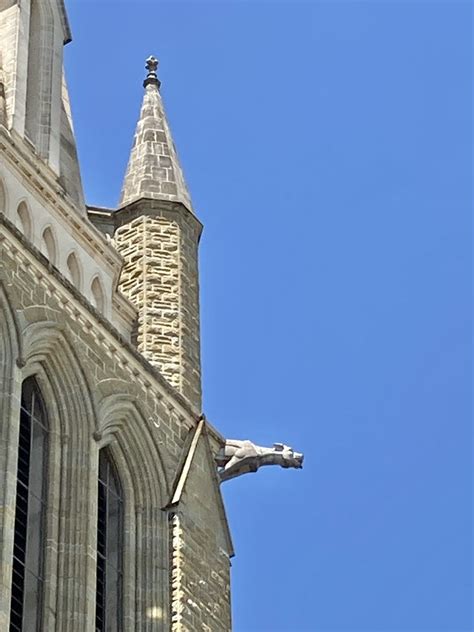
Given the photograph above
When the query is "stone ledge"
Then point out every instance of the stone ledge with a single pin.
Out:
(143, 206)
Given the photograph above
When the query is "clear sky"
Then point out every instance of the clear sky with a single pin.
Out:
(327, 146)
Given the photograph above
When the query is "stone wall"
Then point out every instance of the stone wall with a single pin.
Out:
(26, 182)
(99, 391)
(159, 244)
(200, 585)
(151, 280)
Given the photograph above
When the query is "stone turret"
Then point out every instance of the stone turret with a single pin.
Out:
(157, 233)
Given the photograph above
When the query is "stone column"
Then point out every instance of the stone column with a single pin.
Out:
(10, 391)
(77, 536)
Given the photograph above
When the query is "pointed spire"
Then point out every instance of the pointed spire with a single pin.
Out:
(153, 169)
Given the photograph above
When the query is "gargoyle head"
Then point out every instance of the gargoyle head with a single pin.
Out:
(287, 457)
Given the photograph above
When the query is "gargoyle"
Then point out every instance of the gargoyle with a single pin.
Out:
(239, 457)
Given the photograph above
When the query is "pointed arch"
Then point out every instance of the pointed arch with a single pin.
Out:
(46, 344)
(48, 245)
(74, 269)
(9, 332)
(120, 421)
(98, 293)
(28, 579)
(129, 554)
(129, 437)
(50, 356)
(24, 219)
(110, 540)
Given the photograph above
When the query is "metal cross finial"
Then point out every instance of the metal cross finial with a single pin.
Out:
(152, 64)
(152, 78)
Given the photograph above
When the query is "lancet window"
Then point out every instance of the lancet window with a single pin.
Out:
(109, 547)
(28, 549)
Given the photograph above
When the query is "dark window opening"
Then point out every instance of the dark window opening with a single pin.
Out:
(27, 572)
(109, 548)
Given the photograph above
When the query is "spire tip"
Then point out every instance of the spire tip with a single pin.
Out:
(152, 78)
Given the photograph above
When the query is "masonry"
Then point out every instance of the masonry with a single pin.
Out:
(111, 512)
(104, 394)
(158, 241)
(99, 314)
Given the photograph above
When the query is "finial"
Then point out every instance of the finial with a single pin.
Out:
(152, 78)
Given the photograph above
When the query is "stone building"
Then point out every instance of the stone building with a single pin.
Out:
(111, 515)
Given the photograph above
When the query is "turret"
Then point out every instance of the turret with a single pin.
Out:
(157, 233)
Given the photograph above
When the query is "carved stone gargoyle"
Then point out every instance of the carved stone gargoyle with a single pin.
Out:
(239, 457)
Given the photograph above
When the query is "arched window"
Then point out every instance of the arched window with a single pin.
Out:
(27, 574)
(25, 219)
(49, 245)
(97, 294)
(74, 270)
(109, 547)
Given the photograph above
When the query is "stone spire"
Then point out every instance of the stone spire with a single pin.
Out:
(153, 169)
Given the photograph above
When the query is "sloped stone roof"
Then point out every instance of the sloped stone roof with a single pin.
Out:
(153, 169)
(65, 22)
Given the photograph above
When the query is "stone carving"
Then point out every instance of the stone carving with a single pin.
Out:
(240, 457)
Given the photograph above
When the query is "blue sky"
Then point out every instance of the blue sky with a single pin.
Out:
(328, 149)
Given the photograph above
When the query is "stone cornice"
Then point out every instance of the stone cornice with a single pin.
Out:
(150, 207)
(43, 181)
(92, 322)
(124, 307)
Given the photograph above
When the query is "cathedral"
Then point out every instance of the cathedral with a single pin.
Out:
(111, 513)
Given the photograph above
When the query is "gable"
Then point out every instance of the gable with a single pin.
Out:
(197, 491)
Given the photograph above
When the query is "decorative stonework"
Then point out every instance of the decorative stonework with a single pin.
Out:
(110, 345)
(238, 457)
(100, 392)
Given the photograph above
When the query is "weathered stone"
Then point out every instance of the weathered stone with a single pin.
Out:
(98, 388)
(160, 277)
(240, 457)
(153, 169)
